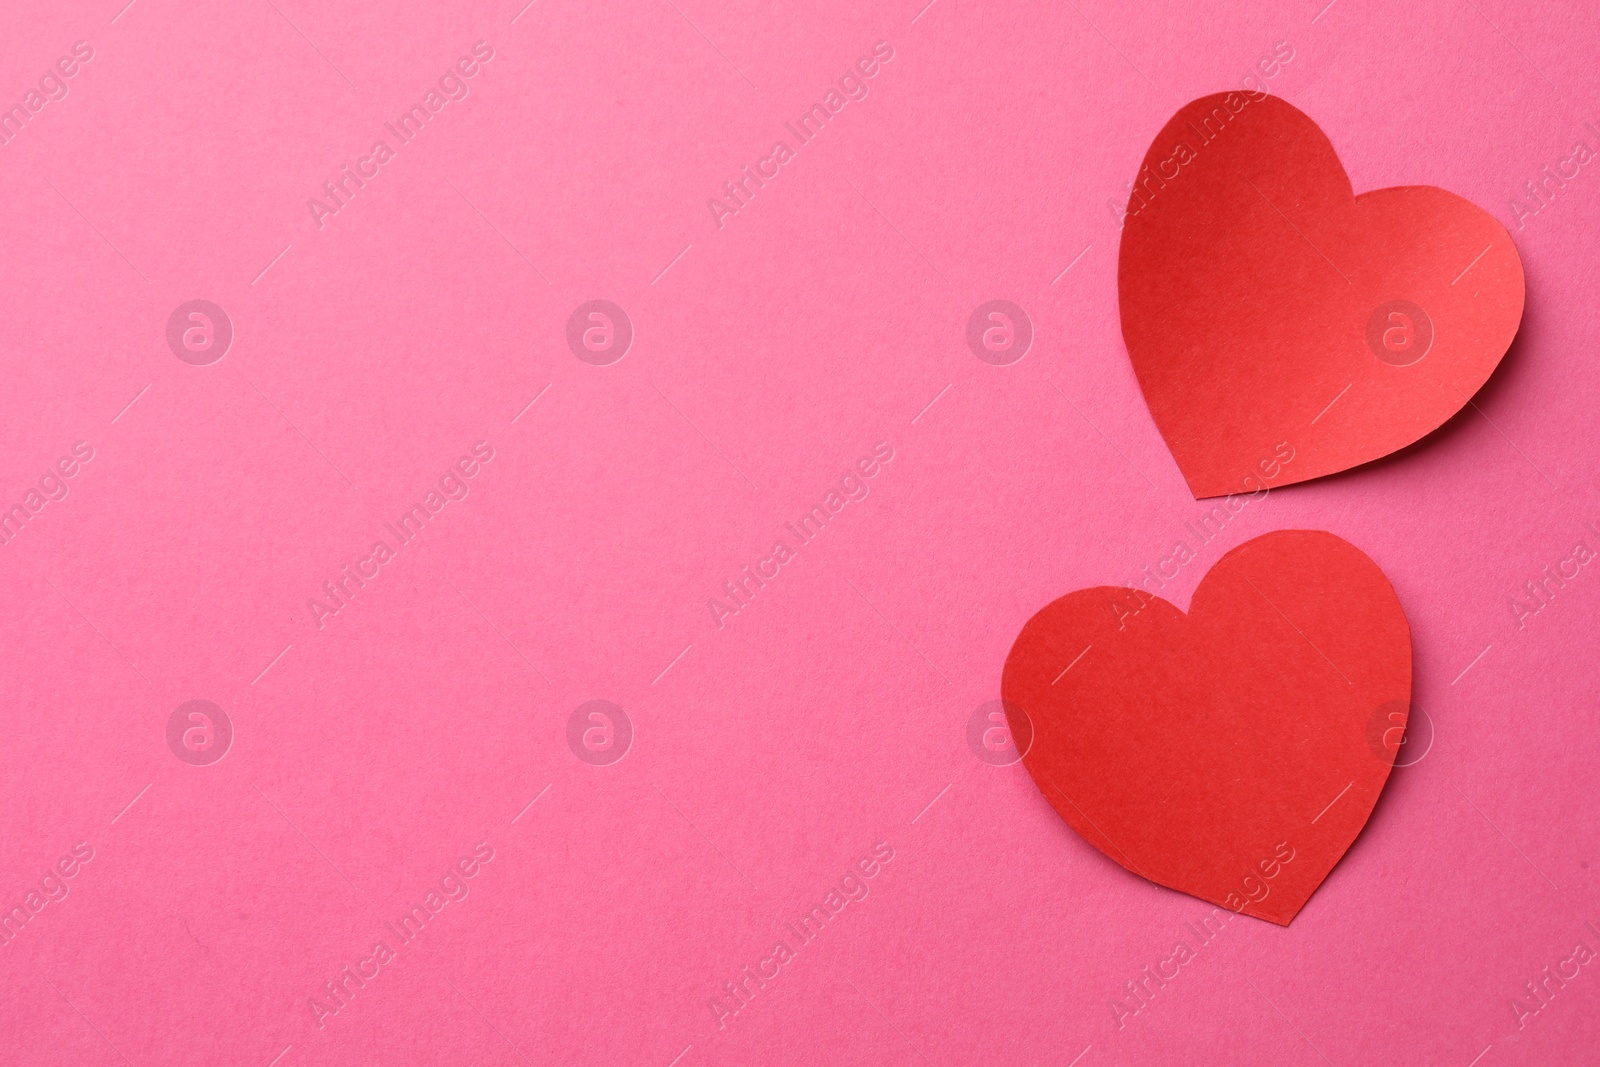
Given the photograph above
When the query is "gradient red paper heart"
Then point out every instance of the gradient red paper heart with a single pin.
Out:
(1268, 310)
(1233, 753)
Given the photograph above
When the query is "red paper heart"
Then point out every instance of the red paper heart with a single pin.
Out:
(1271, 313)
(1233, 753)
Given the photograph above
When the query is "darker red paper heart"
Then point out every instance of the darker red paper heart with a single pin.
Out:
(1233, 753)
(1269, 311)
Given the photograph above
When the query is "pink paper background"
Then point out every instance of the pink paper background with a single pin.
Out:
(831, 714)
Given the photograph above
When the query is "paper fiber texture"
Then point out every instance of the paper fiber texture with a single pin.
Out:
(442, 628)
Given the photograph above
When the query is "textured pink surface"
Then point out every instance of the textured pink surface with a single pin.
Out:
(770, 353)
